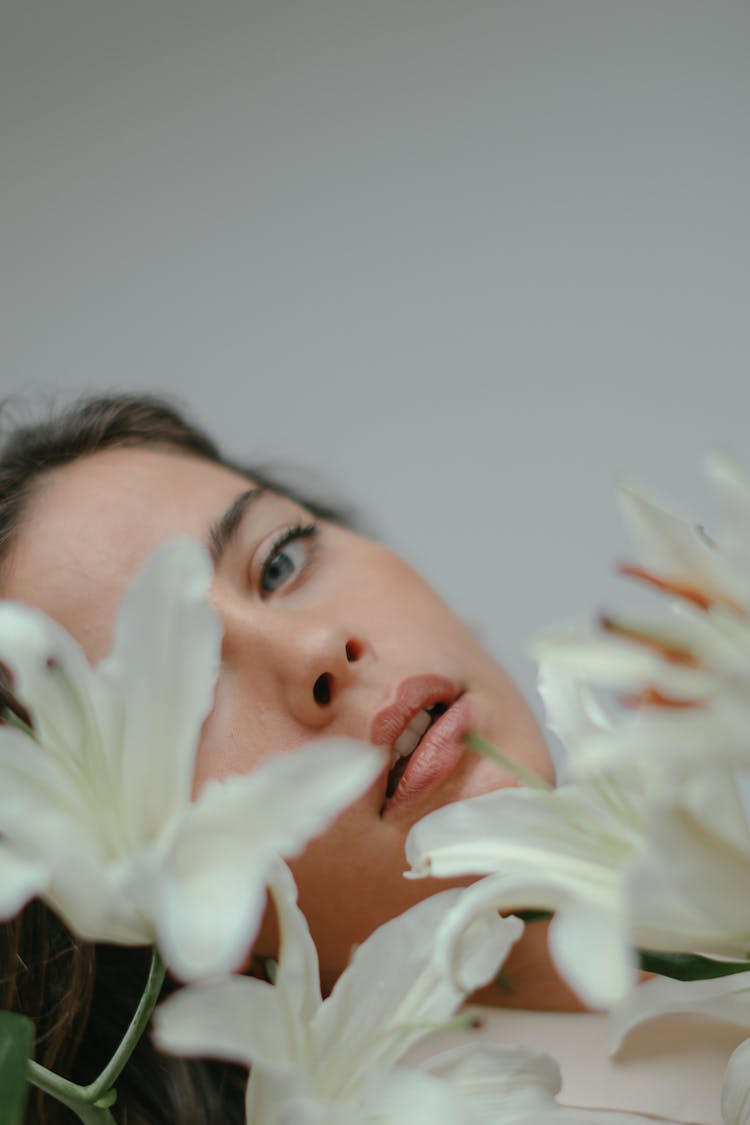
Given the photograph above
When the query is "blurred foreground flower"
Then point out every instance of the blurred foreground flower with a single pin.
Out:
(572, 850)
(678, 718)
(735, 1098)
(316, 1060)
(648, 846)
(95, 802)
(683, 672)
(331, 1062)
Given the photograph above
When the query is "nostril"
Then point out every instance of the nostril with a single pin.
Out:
(322, 689)
(353, 651)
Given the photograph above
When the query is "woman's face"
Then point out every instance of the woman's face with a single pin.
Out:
(325, 633)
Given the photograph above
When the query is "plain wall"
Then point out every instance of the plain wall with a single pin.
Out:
(469, 260)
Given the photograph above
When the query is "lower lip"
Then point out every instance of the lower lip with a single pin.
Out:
(435, 758)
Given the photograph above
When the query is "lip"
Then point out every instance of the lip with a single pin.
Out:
(441, 746)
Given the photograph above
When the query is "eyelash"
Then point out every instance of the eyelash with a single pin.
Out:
(289, 535)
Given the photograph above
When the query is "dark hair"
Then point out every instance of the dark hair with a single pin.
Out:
(82, 996)
(93, 424)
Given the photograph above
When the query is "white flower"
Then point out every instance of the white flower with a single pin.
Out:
(500, 1085)
(722, 998)
(331, 1062)
(551, 850)
(689, 675)
(516, 1086)
(677, 556)
(593, 851)
(561, 850)
(686, 863)
(20, 879)
(698, 854)
(95, 808)
(316, 1060)
(735, 1096)
(667, 756)
(677, 716)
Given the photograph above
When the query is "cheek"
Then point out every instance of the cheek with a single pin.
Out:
(391, 593)
(238, 736)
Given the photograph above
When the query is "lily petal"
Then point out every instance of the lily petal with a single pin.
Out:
(516, 830)
(502, 1085)
(235, 1018)
(20, 880)
(588, 938)
(165, 686)
(403, 1096)
(406, 991)
(670, 546)
(207, 893)
(53, 679)
(297, 977)
(735, 1096)
(733, 494)
(722, 998)
(246, 1020)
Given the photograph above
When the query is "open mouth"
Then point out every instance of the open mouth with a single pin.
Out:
(409, 740)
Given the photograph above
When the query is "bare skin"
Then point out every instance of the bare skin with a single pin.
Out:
(327, 607)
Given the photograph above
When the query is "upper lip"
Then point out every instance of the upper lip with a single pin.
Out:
(411, 696)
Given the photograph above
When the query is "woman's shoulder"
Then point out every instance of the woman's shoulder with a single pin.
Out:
(672, 1066)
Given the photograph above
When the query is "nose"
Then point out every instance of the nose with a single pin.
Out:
(301, 663)
(334, 657)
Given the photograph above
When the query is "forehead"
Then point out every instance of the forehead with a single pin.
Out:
(92, 523)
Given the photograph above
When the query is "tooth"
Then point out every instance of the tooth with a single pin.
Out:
(420, 722)
(406, 742)
(409, 739)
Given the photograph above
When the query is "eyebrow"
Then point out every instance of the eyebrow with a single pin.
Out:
(223, 532)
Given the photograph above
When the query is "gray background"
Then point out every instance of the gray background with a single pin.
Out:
(467, 260)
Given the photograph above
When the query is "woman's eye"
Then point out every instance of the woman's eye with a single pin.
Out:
(287, 558)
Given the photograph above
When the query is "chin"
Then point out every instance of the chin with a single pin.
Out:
(482, 776)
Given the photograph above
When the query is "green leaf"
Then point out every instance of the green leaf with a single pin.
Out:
(689, 966)
(16, 1047)
(534, 915)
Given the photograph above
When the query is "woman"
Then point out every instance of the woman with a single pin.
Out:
(325, 633)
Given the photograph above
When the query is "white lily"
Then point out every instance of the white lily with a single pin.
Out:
(518, 1086)
(698, 854)
(331, 1062)
(95, 806)
(317, 1059)
(735, 1096)
(678, 755)
(480, 1084)
(678, 557)
(548, 851)
(722, 998)
(698, 667)
(562, 850)
(683, 712)
(586, 851)
(20, 879)
(686, 877)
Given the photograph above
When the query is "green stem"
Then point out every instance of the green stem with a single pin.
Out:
(13, 720)
(482, 746)
(138, 1025)
(92, 1102)
(88, 1114)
